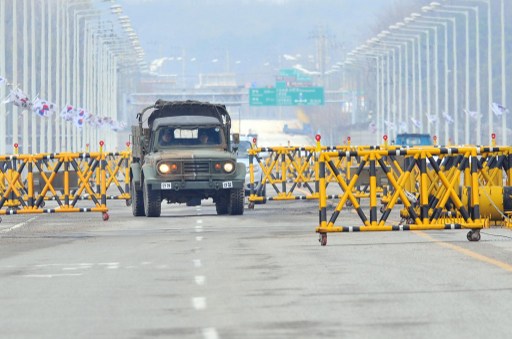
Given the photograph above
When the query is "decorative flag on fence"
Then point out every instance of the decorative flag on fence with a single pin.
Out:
(473, 114)
(431, 118)
(499, 109)
(43, 108)
(389, 125)
(67, 113)
(95, 121)
(117, 126)
(416, 123)
(81, 117)
(18, 98)
(79, 121)
(448, 118)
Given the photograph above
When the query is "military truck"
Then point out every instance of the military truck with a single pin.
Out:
(182, 153)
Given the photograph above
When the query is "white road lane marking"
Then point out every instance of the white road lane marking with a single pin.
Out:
(210, 333)
(51, 275)
(199, 303)
(21, 224)
(200, 280)
(199, 221)
(110, 265)
(197, 262)
(199, 238)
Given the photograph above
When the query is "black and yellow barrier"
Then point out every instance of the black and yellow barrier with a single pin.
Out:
(27, 182)
(448, 183)
(292, 172)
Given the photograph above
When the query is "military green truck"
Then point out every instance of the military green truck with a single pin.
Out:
(182, 153)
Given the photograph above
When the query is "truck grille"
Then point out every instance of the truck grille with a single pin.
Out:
(196, 167)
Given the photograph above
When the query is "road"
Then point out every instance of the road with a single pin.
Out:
(193, 274)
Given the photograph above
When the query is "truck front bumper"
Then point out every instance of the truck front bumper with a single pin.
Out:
(194, 185)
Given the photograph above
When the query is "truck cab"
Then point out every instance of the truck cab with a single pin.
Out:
(413, 139)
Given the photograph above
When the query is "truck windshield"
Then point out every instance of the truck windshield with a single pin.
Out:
(169, 137)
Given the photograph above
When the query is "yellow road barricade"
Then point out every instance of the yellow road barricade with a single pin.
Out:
(27, 181)
(440, 188)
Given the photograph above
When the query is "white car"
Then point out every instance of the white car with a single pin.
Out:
(243, 157)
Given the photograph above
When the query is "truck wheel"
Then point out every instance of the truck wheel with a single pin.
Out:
(137, 201)
(152, 202)
(221, 204)
(236, 202)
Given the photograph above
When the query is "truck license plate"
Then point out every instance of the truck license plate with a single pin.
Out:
(227, 184)
(166, 185)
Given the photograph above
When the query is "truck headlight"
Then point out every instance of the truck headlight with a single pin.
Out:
(168, 167)
(164, 168)
(229, 167)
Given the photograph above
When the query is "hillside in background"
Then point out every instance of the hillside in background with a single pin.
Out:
(251, 37)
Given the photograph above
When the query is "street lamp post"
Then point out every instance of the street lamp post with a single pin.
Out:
(3, 117)
(410, 67)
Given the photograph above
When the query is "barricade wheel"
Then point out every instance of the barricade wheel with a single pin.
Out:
(323, 239)
(382, 209)
(473, 235)
(251, 205)
(105, 216)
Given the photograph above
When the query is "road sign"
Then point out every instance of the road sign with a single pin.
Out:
(262, 97)
(286, 96)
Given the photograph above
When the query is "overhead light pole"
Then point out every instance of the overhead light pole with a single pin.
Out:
(3, 116)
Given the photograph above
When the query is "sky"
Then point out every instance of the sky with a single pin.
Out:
(249, 37)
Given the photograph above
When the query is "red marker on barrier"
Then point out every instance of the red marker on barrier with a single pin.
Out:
(435, 139)
(16, 148)
(128, 144)
(318, 146)
(254, 141)
(348, 139)
(493, 136)
(102, 143)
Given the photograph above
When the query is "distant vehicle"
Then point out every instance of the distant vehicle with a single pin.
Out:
(182, 154)
(413, 139)
(306, 129)
(243, 156)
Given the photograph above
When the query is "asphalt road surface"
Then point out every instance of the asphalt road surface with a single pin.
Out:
(193, 274)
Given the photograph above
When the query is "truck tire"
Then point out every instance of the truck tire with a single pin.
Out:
(152, 202)
(236, 202)
(137, 201)
(221, 204)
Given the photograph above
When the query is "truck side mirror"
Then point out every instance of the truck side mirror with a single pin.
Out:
(236, 141)
(236, 138)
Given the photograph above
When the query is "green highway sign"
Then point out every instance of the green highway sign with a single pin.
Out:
(262, 97)
(286, 96)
